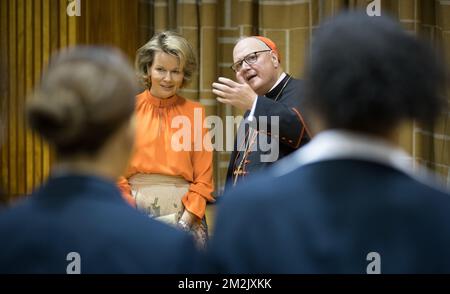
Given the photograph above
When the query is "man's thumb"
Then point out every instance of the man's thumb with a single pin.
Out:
(240, 78)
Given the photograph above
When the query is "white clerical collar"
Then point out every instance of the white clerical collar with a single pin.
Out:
(339, 144)
(252, 110)
(283, 75)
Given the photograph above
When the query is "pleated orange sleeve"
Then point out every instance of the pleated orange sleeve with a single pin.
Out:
(126, 191)
(160, 122)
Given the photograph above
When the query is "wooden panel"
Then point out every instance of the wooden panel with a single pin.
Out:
(45, 32)
(45, 58)
(55, 44)
(146, 22)
(29, 168)
(160, 16)
(37, 70)
(113, 24)
(12, 111)
(20, 84)
(30, 31)
(72, 29)
(54, 26)
(4, 171)
(62, 28)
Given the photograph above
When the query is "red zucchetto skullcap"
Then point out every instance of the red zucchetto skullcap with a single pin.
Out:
(270, 44)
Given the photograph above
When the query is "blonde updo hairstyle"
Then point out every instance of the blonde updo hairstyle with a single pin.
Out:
(168, 42)
(86, 94)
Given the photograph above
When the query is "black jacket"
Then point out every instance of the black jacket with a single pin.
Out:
(282, 102)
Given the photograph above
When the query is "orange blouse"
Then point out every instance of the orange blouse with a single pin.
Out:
(154, 153)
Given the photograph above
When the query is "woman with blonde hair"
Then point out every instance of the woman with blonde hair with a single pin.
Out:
(169, 183)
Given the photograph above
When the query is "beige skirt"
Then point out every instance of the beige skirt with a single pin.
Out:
(159, 196)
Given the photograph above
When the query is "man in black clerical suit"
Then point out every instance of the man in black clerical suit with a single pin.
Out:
(273, 124)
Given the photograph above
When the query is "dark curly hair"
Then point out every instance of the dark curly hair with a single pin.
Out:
(367, 74)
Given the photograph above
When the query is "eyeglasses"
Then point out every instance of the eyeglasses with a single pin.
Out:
(249, 59)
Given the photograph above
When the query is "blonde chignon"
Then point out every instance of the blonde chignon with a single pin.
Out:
(85, 95)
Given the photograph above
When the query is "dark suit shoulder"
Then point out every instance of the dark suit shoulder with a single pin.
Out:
(109, 235)
(325, 217)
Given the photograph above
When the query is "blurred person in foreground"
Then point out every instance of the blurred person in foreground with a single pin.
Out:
(349, 201)
(84, 108)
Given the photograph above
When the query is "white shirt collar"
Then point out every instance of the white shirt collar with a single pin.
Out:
(252, 110)
(278, 81)
(339, 144)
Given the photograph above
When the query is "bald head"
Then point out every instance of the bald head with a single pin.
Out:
(252, 43)
(263, 72)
